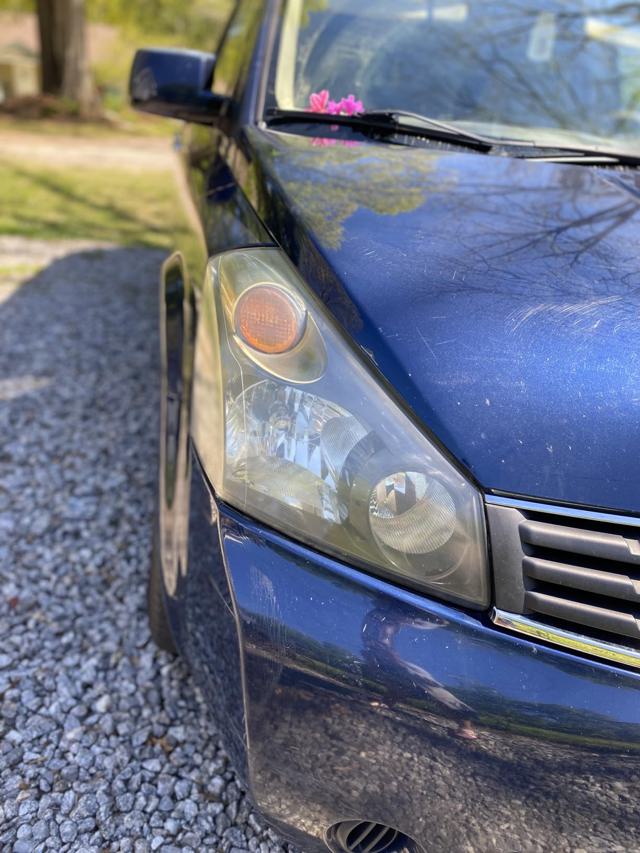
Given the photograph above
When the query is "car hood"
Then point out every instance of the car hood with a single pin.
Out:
(500, 297)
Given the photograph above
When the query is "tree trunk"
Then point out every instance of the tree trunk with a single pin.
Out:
(63, 50)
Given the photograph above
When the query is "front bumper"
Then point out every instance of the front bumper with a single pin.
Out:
(344, 697)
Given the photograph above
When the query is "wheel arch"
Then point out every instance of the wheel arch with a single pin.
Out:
(177, 333)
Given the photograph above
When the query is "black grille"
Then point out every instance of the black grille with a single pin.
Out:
(583, 574)
(579, 573)
(356, 836)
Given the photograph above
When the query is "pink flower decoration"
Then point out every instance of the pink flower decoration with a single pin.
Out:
(349, 106)
(334, 108)
(318, 101)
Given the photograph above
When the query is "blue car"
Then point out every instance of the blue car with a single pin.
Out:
(398, 528)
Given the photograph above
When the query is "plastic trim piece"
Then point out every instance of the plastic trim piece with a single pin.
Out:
(362, 836)
(567, 639)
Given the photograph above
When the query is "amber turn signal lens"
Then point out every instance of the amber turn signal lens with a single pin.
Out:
(268, 320)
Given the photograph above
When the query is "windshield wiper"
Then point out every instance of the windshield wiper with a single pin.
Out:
(384, 123)
(582, 155)
(388, 123)
(586, 155)
(419, 124)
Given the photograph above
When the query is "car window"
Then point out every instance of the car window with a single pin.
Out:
(564, 69)
(236, 47)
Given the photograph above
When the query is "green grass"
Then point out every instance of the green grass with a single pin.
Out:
(122, 125)
(106, 205)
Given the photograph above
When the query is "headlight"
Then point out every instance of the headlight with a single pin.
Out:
(293, 429)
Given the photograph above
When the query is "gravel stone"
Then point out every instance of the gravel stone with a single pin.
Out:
(125, 802)
(172, 826)
(165, 785)
(182, 789)
(165, 804)
(222, 823)
(105, 742)
(68, 802)
(190, 810)
(39, 830)
(68, 831)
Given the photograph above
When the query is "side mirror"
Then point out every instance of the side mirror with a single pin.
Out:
(175, 83)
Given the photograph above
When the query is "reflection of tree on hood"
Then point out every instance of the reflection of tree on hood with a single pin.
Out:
(379, 633)
(332, 183)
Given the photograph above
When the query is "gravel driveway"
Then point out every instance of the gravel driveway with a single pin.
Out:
(104, 742)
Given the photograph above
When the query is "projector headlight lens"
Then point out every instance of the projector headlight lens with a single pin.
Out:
(293, 429)
(411, 513)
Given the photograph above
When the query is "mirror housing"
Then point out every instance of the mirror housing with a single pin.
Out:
(175, 83)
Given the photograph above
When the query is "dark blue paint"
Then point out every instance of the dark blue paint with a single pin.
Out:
(499, 297)
(355, 693)
(204, 623)
(176, 83)
(227, 217)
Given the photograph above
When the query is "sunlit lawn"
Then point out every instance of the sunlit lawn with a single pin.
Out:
(108, 205)
(120, 126)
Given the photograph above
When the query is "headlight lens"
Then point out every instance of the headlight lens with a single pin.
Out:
(411, 513)
(293, 429)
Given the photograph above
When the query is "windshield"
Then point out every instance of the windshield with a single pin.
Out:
(549, 72)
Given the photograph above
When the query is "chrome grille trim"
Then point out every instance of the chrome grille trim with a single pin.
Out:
(570, 512)
(567, 639)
